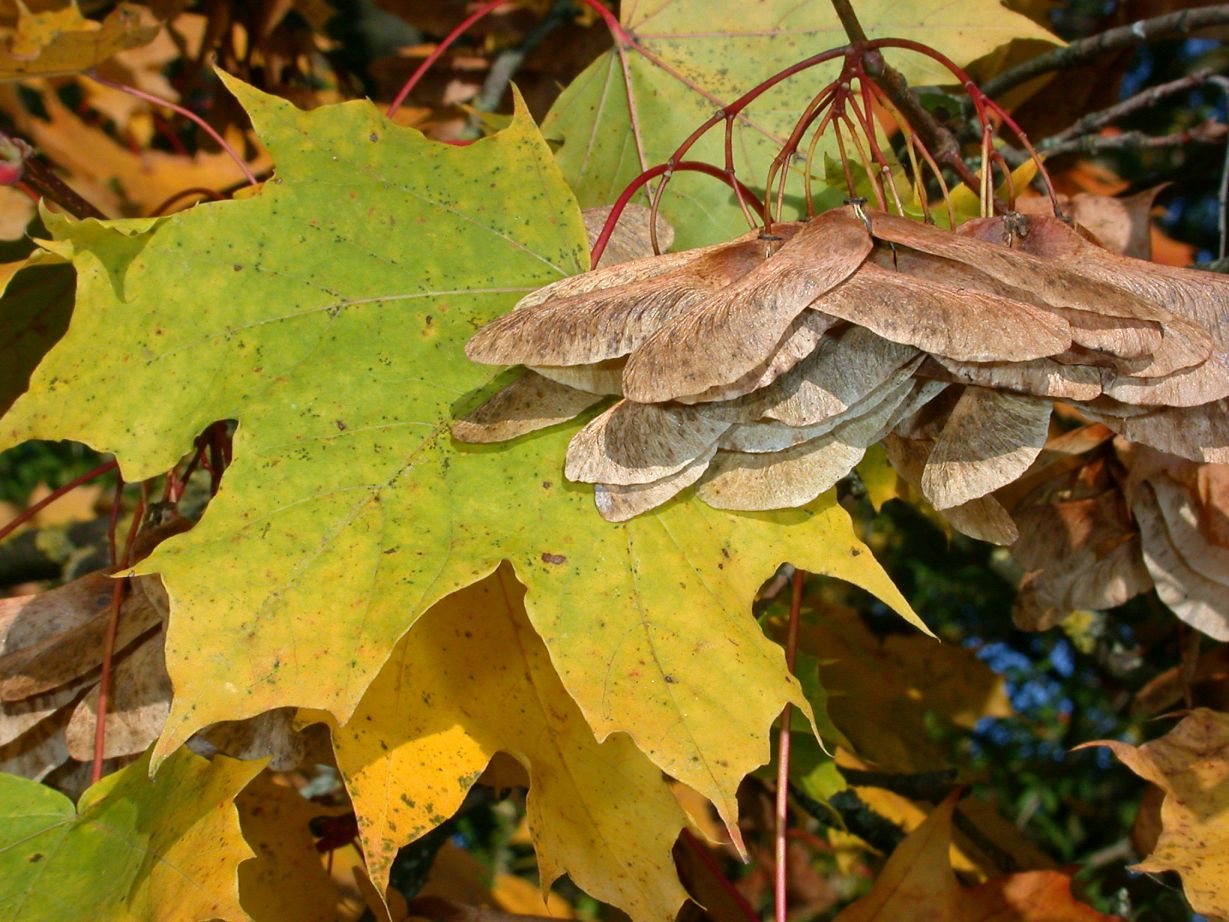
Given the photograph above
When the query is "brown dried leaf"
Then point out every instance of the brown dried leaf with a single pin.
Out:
(637, 443)
(1200, 602)
(269, 735)
(17, 717)
(738, 328)
(1084, 553)
(989, 440)
(529, 403)
(963, 324)
(39, 751)
(40, 657)
(607, 313)
(1181, 512)
(618, 503)
(1189, 765)
(136, 710)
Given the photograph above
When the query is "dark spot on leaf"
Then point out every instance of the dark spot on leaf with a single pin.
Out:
(373, 137)
(36, 857)
(553, 558)
(238, 267)
(341, 426)
(670, 680)
(546, 484)
(854, 552)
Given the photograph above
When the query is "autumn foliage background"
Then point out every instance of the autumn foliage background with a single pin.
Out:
(357, 668)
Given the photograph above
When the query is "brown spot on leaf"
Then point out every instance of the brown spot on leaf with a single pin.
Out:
(553, 558)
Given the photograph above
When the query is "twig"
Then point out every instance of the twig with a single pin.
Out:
(1085, 49)
(942, 143)
(43, 180)
(33, 510)
(930, 786)
(780, 876)
(1149, 97)
(1205, 133)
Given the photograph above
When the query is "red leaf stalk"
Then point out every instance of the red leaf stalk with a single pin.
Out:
(47, 500)
(780, 876)
(186, 113)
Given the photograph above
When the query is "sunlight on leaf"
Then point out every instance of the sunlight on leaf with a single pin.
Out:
(472, 678)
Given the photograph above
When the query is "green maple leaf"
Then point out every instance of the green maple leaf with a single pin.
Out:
(328, 316)
(685, 59)
(160, 851)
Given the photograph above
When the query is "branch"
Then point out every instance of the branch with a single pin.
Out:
(1208, 132)
(43, 180)
(1095, 121)
(1084, 50)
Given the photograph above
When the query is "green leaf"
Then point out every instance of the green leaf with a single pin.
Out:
(328, 315)
(134, 849)
(685, 59)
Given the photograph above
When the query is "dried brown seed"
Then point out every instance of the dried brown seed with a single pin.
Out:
(528, 404)
(1039, 377)
(607, 313)
(737, 329)
(795, 476)
(971, 326)
(640, 442)
(619, 503)
(989, 440)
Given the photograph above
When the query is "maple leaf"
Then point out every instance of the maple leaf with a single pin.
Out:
(1189, 765)
(328, 315)
(682, 60)
(918, 883)
(287, 879)
(62, 41)
(473, 679)
(133, 849)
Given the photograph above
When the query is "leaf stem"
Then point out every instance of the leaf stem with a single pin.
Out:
(118, 592)
(186, 113)
(31, 511)
(705, 857)
(780, 875)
